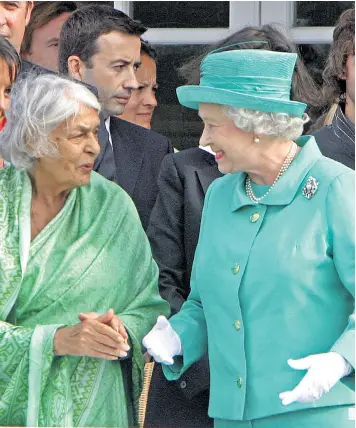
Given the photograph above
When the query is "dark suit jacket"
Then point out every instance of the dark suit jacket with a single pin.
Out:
(337, 141)
(135, 163)
(27, 67)
(173, 232)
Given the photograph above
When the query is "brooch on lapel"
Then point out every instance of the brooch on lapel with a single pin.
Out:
(310, 187)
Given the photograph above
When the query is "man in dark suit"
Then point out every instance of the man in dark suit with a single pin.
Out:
(173, 233)
(101, 46)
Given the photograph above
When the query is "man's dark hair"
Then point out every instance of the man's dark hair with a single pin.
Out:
(343, 45)
(43, 13)
(9, 54)
(304, 89)
(148, 50)
(81, 31)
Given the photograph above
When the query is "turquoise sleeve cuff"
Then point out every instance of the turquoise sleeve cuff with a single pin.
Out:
(174, 371)
(345, 346)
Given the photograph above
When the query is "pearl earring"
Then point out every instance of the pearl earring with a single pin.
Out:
(256, 140)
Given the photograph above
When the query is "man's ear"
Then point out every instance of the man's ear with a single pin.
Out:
(76, 67)
(29, 7)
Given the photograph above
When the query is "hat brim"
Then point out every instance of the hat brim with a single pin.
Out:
(191, 96)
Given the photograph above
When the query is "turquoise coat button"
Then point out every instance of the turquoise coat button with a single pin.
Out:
(235, 269)
(239, 382)
(254, 217)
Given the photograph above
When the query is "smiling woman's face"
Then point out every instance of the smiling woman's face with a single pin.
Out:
(77, 143)
(230, 144)
(143, 100)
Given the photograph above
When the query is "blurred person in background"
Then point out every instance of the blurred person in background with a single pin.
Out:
(14, 16)
(142, 103)
(337, 140)
(174, 230)
(10, 65)
(41, 38)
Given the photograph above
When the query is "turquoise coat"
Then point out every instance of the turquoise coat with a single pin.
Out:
(271, 282)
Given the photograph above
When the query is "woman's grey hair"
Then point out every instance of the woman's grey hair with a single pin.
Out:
(39, 104)
(270, 125)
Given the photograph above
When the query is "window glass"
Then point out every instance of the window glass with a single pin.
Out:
(182, 14)
(319, 13)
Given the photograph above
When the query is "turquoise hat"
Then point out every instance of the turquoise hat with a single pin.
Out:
(254, 79)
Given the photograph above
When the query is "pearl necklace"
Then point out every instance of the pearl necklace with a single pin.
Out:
(286, 164)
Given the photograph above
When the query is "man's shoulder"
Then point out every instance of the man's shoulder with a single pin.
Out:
(194, 154)
(29, 67)
(192, 158)
(145, 136)
(323, 134)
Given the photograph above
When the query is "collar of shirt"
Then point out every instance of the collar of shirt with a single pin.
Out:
(107, 126)
(287, 186)
(343, 127)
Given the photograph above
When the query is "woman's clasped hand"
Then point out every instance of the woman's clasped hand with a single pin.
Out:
(99, 336)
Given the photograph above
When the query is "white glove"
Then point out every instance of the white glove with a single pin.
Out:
(162, 342)
(324, 371)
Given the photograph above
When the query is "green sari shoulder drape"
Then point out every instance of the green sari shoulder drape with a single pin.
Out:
(94, 255)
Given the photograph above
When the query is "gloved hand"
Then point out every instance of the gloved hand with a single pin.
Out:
(162, 342)
(324, 371)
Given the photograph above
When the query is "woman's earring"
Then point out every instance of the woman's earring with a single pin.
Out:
(256, 139)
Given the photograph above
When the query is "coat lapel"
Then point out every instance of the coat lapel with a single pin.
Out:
(128, 153)
(208, 174)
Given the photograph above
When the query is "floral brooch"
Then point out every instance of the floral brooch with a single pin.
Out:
(310, 187)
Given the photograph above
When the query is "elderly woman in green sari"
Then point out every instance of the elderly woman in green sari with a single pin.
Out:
(71, 246)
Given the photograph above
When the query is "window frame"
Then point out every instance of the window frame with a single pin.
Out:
(241, 13)
(281, 12)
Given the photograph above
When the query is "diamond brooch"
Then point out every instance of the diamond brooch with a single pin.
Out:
(310, 187)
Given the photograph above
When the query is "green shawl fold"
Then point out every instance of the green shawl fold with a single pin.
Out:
(94, 255)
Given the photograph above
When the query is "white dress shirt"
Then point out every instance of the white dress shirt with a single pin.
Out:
(107, 126)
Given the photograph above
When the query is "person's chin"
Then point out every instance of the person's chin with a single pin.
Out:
(83, 182)
(84, 179)
(115, 109)
(224, 168)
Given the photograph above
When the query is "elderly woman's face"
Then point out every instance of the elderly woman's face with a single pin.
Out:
(230, 144)
(77, 143)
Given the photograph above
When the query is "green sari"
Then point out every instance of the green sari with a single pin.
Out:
(94, 255)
